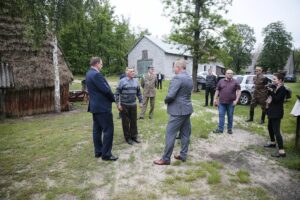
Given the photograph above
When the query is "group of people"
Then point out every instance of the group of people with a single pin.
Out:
(225, 92)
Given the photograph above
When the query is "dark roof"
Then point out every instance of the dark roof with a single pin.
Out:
(28, 67)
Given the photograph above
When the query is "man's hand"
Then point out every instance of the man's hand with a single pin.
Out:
(235, 102)
(119, 107)
(216, 102)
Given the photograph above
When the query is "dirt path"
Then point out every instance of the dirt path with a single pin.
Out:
(135, 173)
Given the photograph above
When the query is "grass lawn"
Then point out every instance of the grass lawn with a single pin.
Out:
(51, 157)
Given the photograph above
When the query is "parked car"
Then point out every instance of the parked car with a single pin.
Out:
(247, 87)
(290, 78)
(201, 79)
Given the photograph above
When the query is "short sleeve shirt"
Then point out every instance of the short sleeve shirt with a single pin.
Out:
(227, 90)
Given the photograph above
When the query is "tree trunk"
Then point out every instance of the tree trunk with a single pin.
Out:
(56, 76)
(196, 45)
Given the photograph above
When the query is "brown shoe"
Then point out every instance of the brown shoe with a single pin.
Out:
(161, 162)
(178, 157)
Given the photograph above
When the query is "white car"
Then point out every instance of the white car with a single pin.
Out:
(247, 87)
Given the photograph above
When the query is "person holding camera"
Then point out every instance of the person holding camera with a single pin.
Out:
(275, 112)
(259, 96)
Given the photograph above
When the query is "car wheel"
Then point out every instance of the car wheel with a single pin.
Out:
(245, 99)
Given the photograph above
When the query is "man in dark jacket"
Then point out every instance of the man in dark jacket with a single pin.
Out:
(100, 104)
(160, 77)
(211, 83)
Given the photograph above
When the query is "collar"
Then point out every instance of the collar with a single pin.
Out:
(95, 68)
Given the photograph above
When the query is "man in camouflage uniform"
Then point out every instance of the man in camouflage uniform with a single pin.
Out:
(148, 83)
(259, 95)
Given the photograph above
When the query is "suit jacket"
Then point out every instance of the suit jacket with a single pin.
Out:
(149, 83)
(162, 76)
(275, 109)
(179, 95)
(100, 94)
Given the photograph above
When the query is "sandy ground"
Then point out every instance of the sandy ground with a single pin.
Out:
(140, 174)
(231, 150)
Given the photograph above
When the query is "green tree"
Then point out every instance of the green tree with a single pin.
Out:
(239, 42)
(197, 24)
(277, 47)
(297, 59)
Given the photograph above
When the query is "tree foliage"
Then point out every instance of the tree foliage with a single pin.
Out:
(239, 42)
(84, 28)
(197, 24)
(277, 47)
(297, 59)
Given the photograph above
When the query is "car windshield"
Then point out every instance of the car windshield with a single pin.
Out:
(250, 80)
(239, 79)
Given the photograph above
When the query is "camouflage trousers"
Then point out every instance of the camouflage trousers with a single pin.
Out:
(145, 104)
(258, 101)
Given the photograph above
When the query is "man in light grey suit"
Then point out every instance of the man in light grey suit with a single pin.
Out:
(179, 109)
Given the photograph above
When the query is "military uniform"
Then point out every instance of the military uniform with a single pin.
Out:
(259, 96)
(148, 83)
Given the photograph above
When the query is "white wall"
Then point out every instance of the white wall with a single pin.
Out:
(168, 65)
(154, 53)
(212, 65)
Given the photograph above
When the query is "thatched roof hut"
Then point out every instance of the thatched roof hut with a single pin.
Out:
(26, 74)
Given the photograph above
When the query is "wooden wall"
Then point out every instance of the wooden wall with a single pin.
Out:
(31, 102)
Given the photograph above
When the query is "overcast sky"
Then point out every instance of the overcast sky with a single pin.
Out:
(256, 13)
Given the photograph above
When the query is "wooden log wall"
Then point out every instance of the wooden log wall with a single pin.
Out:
(31, 102)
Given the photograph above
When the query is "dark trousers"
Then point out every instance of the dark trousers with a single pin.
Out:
(129, 121)
(103, 133)
(209, 91)
(159, 84)
(274, 131)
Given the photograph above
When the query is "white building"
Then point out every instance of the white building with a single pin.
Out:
(151, 51)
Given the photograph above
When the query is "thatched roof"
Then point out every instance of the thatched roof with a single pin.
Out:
(30, 68)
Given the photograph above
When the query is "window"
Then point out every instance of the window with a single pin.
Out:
(239, 79)
(144, 55)
(250, 80)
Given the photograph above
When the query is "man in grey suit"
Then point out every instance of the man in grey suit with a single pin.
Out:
(179, 109)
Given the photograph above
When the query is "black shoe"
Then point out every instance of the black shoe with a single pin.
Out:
(141, 117)
(229, 132)
(129, 141)
(98, 155)
(178, 137)
(136, 140)
(270, 145)
(249, 120)
(110, 158)
(278, 155)
(217, 131)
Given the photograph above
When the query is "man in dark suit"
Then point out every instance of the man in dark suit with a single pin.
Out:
(179, 109)
(100, 104)
(160, 77)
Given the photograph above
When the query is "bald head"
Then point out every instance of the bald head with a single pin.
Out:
(229, 74)
(179, 66)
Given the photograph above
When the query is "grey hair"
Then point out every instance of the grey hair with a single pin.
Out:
(95, 60)
(180, 63)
